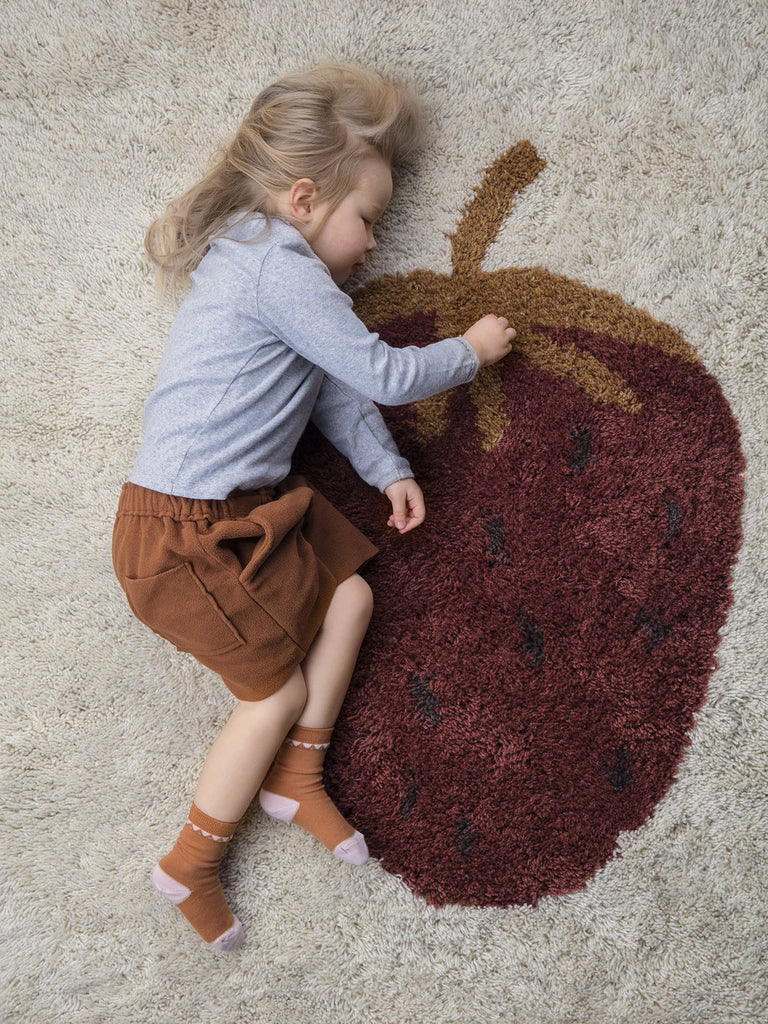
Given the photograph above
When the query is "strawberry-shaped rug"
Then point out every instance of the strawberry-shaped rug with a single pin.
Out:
(541, 644)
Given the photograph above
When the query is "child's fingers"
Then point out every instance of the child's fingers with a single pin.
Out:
(412, 524)
(417, 509)
(407, 501)
(415, 518)
(398, 516)
(416, 513)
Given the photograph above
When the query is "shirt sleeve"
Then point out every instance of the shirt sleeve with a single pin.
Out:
(301, 304)
(354, 426)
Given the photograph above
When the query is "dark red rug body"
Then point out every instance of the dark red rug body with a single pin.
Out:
(540, 645)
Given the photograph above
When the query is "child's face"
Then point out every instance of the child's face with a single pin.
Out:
(347, 235)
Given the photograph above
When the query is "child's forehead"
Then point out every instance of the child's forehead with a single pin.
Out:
(375, 182)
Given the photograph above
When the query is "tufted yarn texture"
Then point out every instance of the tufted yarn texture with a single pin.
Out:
(542, 643)
(556, 738)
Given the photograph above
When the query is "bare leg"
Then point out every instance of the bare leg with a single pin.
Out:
(294, 790)
(234, 769)
(245, 748)
(331, 659)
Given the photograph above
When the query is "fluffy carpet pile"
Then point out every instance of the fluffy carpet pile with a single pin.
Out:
(542, 643)
(556, 738)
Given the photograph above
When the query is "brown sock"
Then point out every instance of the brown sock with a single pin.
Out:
(189, 877)
(294, 791)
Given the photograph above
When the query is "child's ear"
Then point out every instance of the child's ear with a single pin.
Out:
(302, 198)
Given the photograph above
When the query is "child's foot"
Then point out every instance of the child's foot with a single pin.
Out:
(293, 791)
(189, 877)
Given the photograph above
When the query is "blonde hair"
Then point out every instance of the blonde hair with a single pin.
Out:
(320, 124)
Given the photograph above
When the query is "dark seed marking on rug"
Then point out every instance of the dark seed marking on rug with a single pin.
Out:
(582, 449)
(675, 519)
(511, 851)
(534, 640)
(621, 776)
(409, 801)
(651, 623)
(466, 837)
(423, 697)
(497, 548)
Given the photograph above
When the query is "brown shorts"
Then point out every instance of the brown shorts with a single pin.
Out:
(243, 584)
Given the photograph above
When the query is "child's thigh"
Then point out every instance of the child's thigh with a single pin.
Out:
(351, 605)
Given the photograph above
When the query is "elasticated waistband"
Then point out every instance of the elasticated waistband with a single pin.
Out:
(141, 501)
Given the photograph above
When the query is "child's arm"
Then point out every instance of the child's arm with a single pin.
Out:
(355, 427)
(299, 302)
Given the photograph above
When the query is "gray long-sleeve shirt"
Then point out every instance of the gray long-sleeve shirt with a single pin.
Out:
(263, 342)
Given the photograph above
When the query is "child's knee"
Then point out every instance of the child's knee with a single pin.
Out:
(360, 596)
(295, 695)
(285, 705)
(351, 606)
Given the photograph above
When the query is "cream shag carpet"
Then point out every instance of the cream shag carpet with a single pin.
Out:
(652, 119)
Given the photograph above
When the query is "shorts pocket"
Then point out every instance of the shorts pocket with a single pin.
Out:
(176, 605)
(274, 562)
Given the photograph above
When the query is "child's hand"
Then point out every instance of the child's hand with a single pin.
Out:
(491, 338)
(408, 510)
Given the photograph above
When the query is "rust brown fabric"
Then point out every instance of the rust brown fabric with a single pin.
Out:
(194, 862)
(297, 774)
(243, 584)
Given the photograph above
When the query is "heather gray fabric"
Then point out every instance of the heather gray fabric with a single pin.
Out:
(263, 341)
(651, 115)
